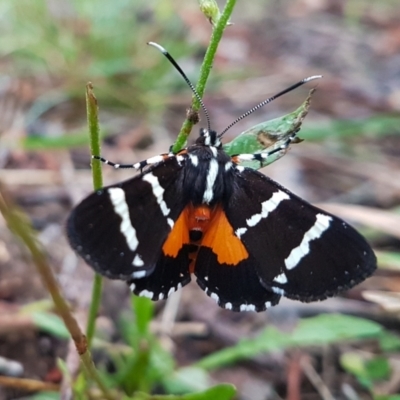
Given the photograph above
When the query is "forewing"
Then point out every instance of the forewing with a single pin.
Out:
(119, 230)
(301, 252)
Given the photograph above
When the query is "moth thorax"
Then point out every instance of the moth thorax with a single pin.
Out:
(208, 138)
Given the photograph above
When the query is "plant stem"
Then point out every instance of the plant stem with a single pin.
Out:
(205, 69)
(94, 132)
(19, 224)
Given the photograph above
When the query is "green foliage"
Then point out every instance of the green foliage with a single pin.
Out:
(372, 371)
(268, 136)
(320, 330)
(45, 396)
(367, 371)
(103, 42)
(220, 392)
(147, 365)
(375, 126)
(50, 323)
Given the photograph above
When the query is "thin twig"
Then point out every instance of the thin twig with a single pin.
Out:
(18, 224)
(205, 72)
(315, 379)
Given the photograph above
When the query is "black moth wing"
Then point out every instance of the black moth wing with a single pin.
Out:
(234, 287)
(300, 251)
(120, 229)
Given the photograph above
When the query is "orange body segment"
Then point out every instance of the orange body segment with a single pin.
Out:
(221, 239)
(213, 230)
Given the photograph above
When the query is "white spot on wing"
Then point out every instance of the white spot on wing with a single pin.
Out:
(214, 296)
(170, 222)
(117, 197)
(241, 231)
(228, 306)
(315, 232)
(277, 290)
(158, 192)
(138, 274)
(267, 207)
(146, 293)
(281, 278)
(132, 287)
(228, 166)
(247, 307)
(214, 151)
(211, 177)
(137, 261)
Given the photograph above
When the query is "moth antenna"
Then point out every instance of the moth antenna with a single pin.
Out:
(263, 103)
(190, 84)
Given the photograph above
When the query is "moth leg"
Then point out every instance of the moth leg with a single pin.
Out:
(263, 156)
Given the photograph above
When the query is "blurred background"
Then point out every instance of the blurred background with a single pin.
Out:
(349, 163)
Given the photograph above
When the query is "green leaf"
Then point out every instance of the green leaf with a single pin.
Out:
(144, 309)
(135, 375)
(320, 330)
(268, 136)
(387, 397)
(45, 396)
(378, 368)
(352, 362)
(50, 323)
(389, 341)
(366, 371)
(187, 380)
(218, 392)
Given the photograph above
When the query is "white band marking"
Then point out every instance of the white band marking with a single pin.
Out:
(117, 197)
(267, 207)
(194, 159)
(240, 231)
(321, 225)
(214, 151)
(158, 192)
(211, 177)
(228, 166)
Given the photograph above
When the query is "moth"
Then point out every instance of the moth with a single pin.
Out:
(247, 240)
